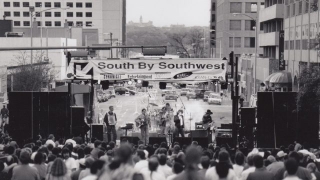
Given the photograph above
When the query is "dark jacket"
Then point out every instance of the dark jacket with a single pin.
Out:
(106, 118)
(177, 122)
(261, 174)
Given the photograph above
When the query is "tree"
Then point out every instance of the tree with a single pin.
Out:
(180, 42)
(27, 77)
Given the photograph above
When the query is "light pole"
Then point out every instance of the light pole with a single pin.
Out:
(110, 42)
(219, 44)
(31, 9)
(256, 50)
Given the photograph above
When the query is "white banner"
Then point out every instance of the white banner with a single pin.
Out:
(163, 69)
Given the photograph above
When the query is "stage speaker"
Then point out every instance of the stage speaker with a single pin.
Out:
(162, 85)
(182, 140)
(226, 126)
(224, 141)
(78, 126)
(97, 131)
(199, 133)
(248, 116)
(130, 139)
(157, 140)
(145, 83)
(202, 141)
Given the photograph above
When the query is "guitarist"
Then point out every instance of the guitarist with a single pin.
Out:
(179, 124)
(207, 121)
(143, 122)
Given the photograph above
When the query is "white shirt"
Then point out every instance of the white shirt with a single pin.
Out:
(141, 164)
(245, 173)
(156, 175)
(238, 170)
(90, 177)
(211, 174)
(171, 177)
(165, 169)
(291, 178)
(71, 163)
(49, 141)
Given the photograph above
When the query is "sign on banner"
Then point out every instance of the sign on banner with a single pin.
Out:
(163, 69)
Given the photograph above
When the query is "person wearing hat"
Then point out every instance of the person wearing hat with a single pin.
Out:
(279, 164)
(143, 122)
(207, 121)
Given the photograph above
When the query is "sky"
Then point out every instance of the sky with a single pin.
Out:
(167, 12)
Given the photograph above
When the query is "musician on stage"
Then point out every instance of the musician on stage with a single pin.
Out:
(179, 124)
(110, 120)
(143, 122)
(207, 120)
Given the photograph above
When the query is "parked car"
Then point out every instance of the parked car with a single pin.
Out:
(191, 94)
(123, 90)
(199, 93)
(184, 91)
(171, 95)
(214, 98)
(111, 92)
(206, 95)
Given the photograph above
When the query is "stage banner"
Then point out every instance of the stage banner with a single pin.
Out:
(159, 70)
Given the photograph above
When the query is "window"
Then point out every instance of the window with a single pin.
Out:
(262, 6)
(57, 14)
(213, 18)
(235, 7)
(57, 4)
(38, 4)
(26, 23)
(16, 23)
(250, 25)
(286, 45)
(237, 42)
(7, 13)
(306, 7)
(88, 5)
(57, 23)
(89, 24)
(288, 11)
(249, 42)
(235, 24)
(69, 4)
(291, 44)
(7, 4)
(300, 8)
(70, 23)
(213, 6)
(16, 4)
(293, 9)
(298, 46)
(305, 44)
(69, 14)
(251, 7)
(47, 4)
(88, 14)
(48, 23)
(38, 14)
(261, 26)
(39, 23)
(26, 14)
(25, 4)
(79, 24)
(16, 14)
(79, 14)
(79, 5)
(47, 14)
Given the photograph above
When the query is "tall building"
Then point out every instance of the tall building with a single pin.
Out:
(107, 16)
(212, 28)
(241, 26)
(298, 29)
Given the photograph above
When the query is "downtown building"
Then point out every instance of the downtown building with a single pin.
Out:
(212, 28)
(97, 18)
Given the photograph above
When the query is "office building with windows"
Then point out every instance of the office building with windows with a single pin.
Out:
(240, 26)
(300, 40)
(105, 16)
(213, 41)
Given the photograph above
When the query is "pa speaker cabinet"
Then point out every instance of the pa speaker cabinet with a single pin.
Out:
(97, 131)
(199, 133)
(182, 140)
(77, 120)
(157, 140)
(248, 116)
(202, 141)
(131, 139)
(224, 141)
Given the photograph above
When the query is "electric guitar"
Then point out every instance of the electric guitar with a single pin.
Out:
(140, 123)
(207, 125)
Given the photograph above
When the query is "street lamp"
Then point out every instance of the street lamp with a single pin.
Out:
(256, 50)
(110, 42)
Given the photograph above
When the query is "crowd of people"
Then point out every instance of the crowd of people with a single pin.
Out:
(48, 159)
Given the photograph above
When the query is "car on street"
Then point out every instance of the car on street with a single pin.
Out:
(214, 98)
(171, 95)
(123, 90)
(111, 92)
(199, 93)
(101, 96)
(184, 91)
(206, 95)
(191, 94)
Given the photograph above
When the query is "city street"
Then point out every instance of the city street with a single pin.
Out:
(128, 108)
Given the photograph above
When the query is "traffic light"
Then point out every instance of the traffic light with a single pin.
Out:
(231, 63)
(69, 57)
